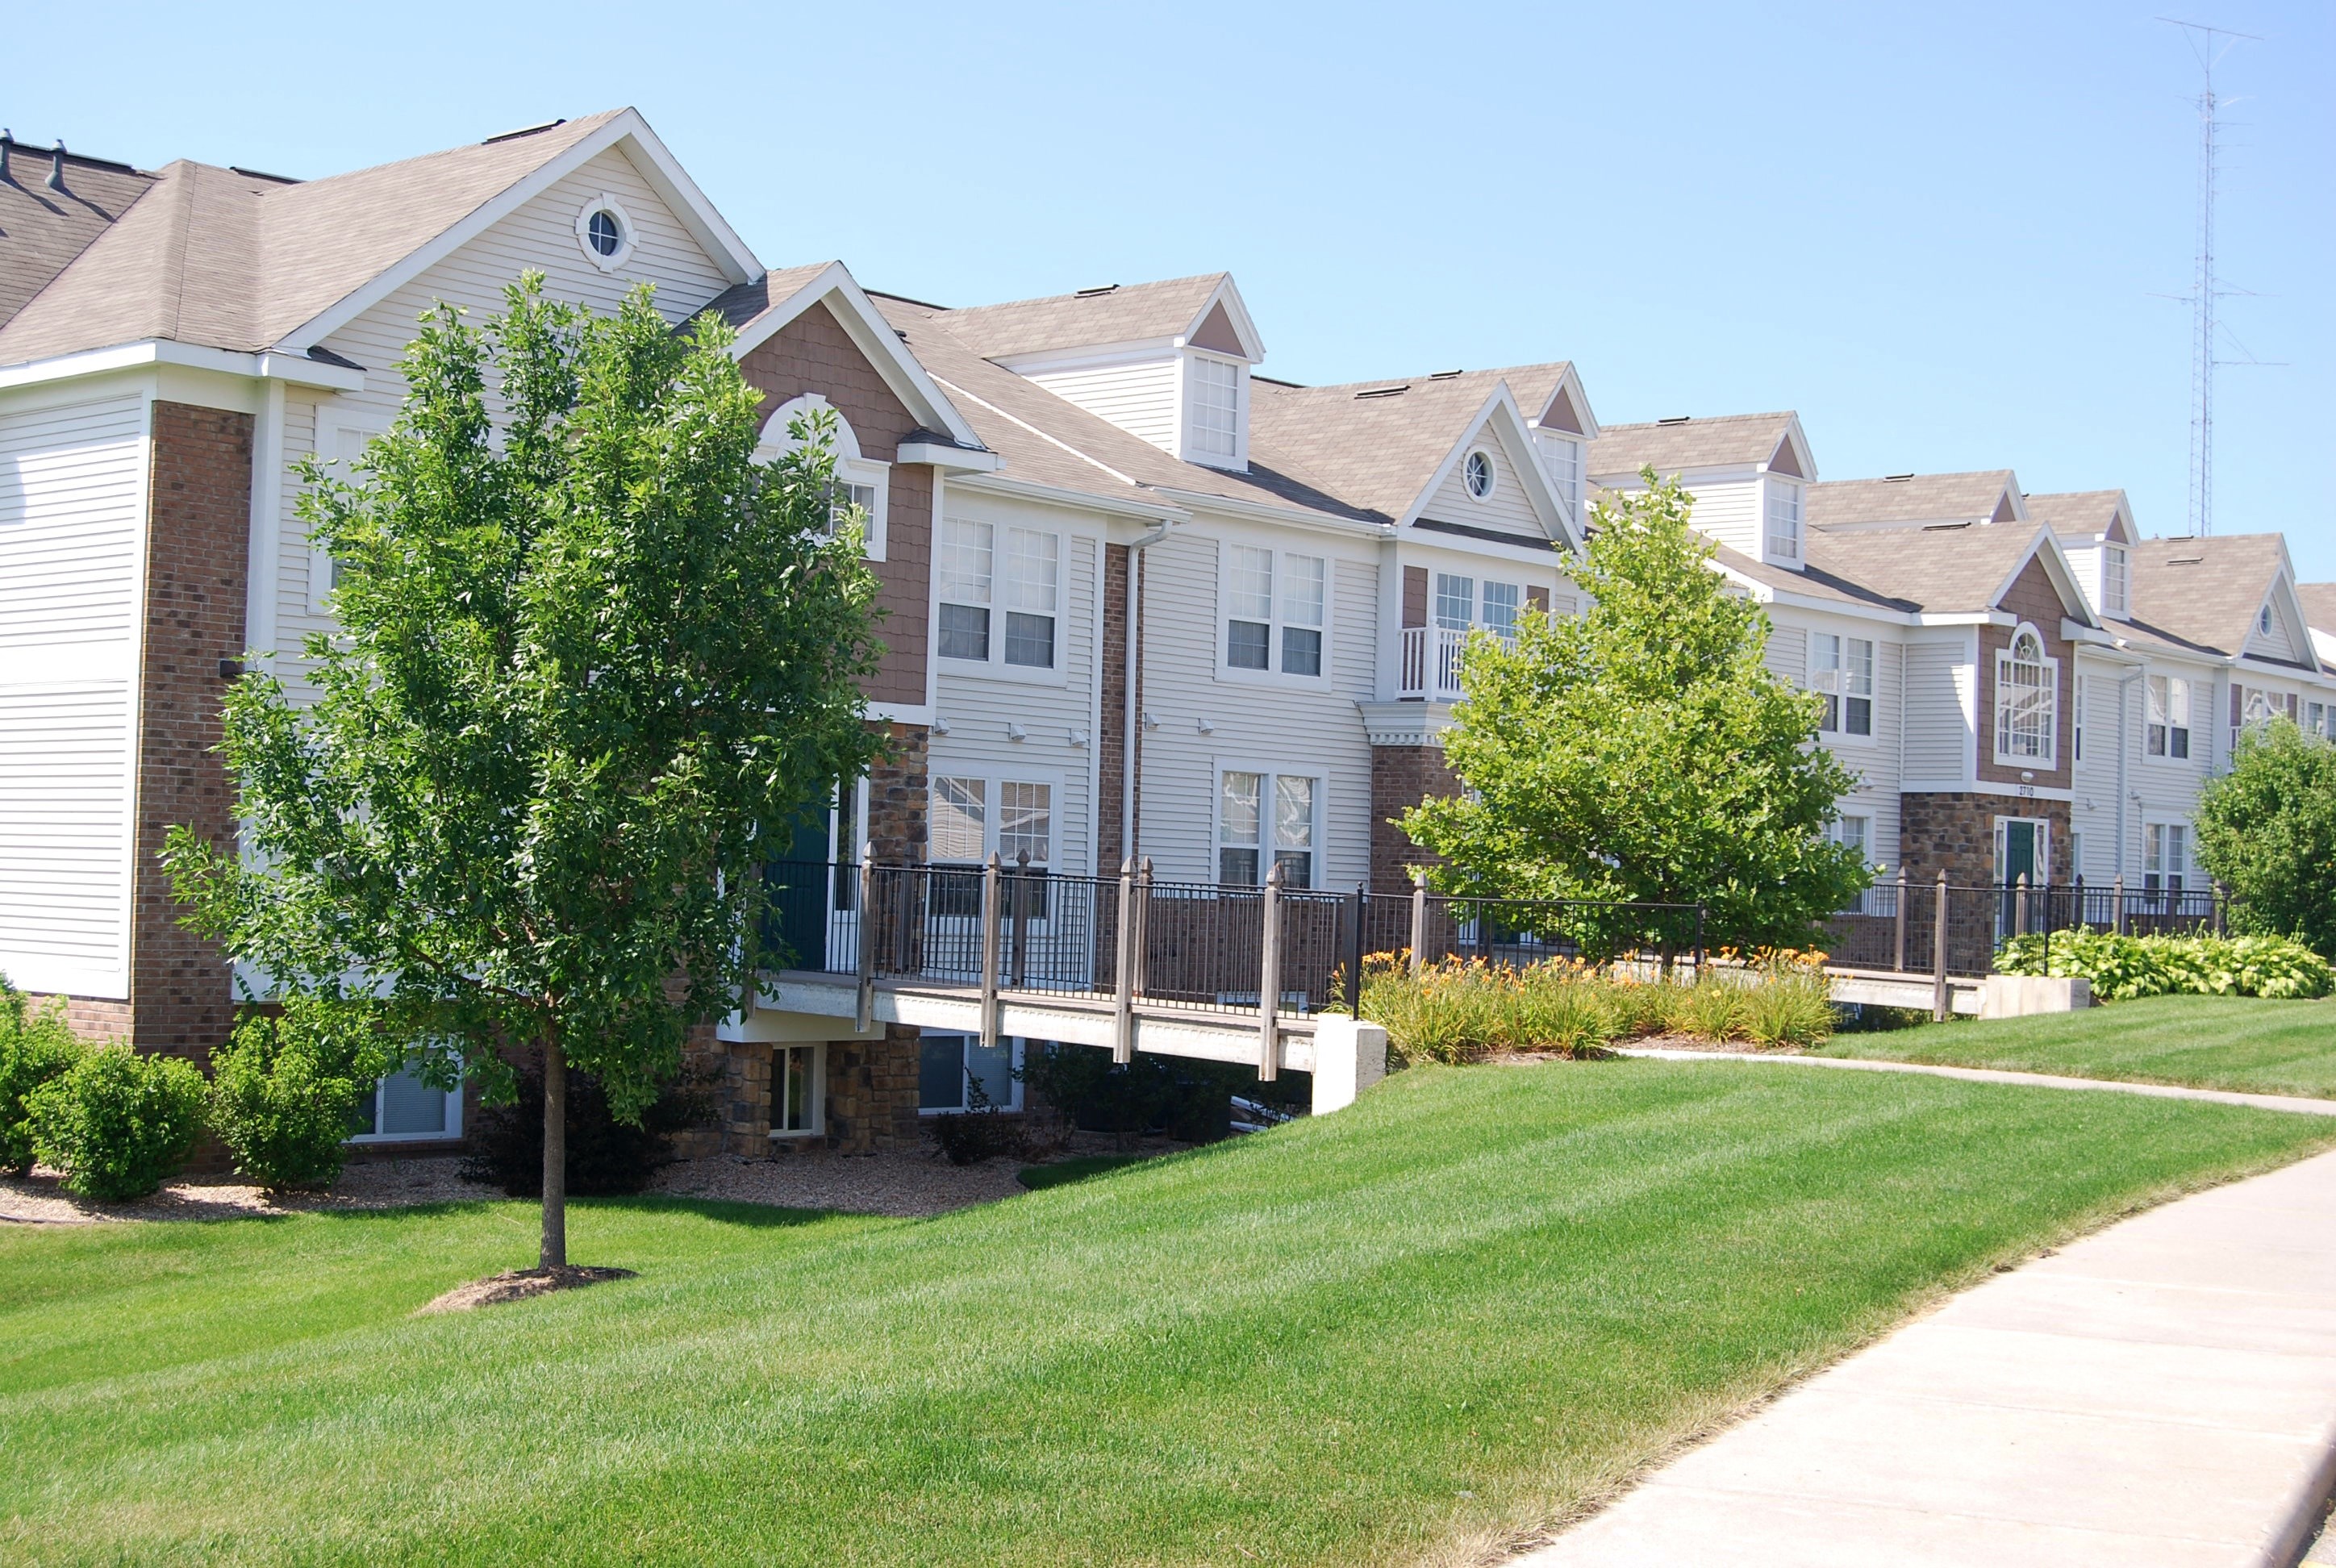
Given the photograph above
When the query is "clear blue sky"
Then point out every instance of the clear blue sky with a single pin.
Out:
(1934, 231)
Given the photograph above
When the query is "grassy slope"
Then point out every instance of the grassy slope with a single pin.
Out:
(2238, 1043)
(1310, 1346)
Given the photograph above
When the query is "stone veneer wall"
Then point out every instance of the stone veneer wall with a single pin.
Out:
(1956, 831)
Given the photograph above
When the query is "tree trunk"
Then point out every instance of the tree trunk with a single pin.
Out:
(555, 1156)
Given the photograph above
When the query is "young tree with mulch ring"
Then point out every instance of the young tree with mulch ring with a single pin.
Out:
(591, 660)
(1641, 752)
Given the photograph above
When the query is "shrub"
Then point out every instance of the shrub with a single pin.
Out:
(604, 1155)
(285, 1092)
(34, 1048)
(118, 1122)
(1189, 1101)
(2267, 831)
(2122, 968)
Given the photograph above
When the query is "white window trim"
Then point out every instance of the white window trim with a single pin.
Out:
(995, 667)
(453, 1128)
(1016, 1059)
(2116, 572)
(991, 777)
(1219, 767)
(818, 1118)
(850, 466)
(2189, 727)
(1999, 845)
(1186, 447)
(2050, 761)
(1273, 673)
(1841, 734)
(2155, 824)
(628, 238)
(1774, 488)
(1492, 476)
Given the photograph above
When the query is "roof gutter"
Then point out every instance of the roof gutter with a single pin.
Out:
(269, 364)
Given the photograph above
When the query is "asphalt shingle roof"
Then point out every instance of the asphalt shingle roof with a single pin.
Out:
(2075, 513)
(42, 230)
(1133, 314)
(1670, 446)
(236, 261)
(2205, 591)
(1977, 497)
(1945, 570)
(2319, 605)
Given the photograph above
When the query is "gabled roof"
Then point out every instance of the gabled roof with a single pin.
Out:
(1958, 569)
(1378, 446)
(241, 262)
(2206, 591)
(1812, 583)
(2084, 514)
(1673, 446)
(760, 309)
(42, 228)
(1989, 495)
(1171, 309)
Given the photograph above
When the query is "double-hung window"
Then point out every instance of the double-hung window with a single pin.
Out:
(2166, 732)
(1501, 601)
(1841, 672)
(1565, 467)
(2116, 581)
(1213, 405)
(2315, 719)
(973, 817)
(2027, 688)
(1277, 605)
(1262, 814)
(1784, 520)
(1854, 832)
(2165, 856)
(990, 574)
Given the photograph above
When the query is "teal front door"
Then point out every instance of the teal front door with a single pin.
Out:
(795, 936)
(2023, 851)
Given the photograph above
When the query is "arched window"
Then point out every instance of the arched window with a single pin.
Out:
(861, 481)
(2027, 701)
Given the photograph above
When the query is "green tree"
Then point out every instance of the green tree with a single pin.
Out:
(1641, 752)
(591, 661)
(2267, 831)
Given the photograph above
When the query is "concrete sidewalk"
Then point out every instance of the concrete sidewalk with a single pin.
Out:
(2161, 1393)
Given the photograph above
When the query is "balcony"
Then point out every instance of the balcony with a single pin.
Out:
(1428, 668)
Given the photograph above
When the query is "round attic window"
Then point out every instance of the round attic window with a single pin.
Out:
(1478, 474)
(605, 230)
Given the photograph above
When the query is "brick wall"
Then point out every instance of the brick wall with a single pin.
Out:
(1401, 777)
(813, 353)
(1110, 762)
(2033, 597)
(198, 533)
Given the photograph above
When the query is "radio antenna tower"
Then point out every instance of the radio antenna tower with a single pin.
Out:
(2209, 45)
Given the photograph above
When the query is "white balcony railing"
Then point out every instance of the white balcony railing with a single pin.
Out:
(1430, 666)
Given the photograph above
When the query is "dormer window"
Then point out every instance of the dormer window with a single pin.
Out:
(2116, 581)
(1784, 520)
(1565, 467)
(1479, 475)
(1213, 404)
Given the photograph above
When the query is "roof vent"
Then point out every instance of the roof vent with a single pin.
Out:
(1896, 478)
(1944, 526)
(1675, 419)
(2188, 560)
(1444, 375)
(1091, 293)
(522, 131)
(57, 166)
(1384, 391)
(262, 174)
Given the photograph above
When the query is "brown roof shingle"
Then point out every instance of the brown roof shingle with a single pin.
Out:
(1985, 495)
(2319, 605)
(41, 229)
(2076, 513)
(1957, 570)
(1670, 446)
(1131, 314)
(236, 261)
(2205, 591)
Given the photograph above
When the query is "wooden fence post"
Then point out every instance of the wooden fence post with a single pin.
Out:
(1123, 1035)
(989, 922)
(1418, 923)
(1269, 980)
(1898, 960)
(863, 1016)
(2117, 898)
(1938, 955)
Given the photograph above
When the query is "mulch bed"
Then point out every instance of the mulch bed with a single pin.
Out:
(518, 1285)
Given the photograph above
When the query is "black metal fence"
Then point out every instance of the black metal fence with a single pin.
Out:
(1948, 928)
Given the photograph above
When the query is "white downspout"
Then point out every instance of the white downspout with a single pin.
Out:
(1132, 761)
(2123, 750)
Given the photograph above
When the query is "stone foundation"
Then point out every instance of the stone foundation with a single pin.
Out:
(1956, 832)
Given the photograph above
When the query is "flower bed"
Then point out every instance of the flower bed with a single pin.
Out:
(2122, 968)
(1466, 1010)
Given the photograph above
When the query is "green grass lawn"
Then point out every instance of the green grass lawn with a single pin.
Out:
(2241, 1043)
(1449, 1313)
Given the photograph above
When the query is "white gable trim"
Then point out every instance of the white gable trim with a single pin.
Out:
(630, 134)
(1570, 388)
(876, 339)
(1802, 456)
(2064, 578)
(1235, 311)
(1500, 408)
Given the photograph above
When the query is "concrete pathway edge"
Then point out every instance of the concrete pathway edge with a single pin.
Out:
(2301, 1104)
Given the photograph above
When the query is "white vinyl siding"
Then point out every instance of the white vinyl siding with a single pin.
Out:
(1787, 655)
(1940, 694)
(72, 553)
(1141, 399)
(1509, 509)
